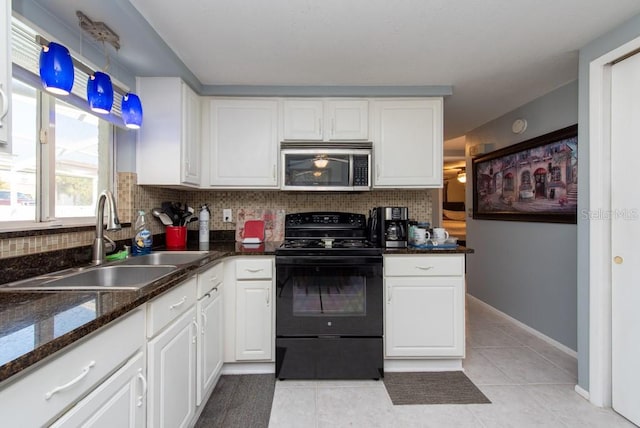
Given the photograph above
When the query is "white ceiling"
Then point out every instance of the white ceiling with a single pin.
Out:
(496, 54)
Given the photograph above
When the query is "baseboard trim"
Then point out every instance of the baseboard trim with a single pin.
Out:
(248, 368)
(524, 326)
(582, 392)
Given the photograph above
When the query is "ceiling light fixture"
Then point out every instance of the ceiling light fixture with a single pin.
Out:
(462, 176)
(100, 92)
(320, 162)
(132, 111)
(56, 69)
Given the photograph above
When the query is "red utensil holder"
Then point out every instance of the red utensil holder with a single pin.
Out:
(176, 237)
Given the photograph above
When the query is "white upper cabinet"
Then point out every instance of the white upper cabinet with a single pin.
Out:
(407, 140)
(326, 119)
(168, 147)
(243, 143)
(5, 76)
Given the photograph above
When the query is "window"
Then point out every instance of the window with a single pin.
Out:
(54, 175)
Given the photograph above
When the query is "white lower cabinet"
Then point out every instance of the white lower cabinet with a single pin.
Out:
(249, 309)
(120, 401)
(253, 320)
(172, 373)
(44, 393)
(424, 309)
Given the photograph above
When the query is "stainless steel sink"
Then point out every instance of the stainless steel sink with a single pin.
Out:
(116, 277)
(166, 258)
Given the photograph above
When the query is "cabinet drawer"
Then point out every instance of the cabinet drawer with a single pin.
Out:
(432, 265)
(209, 279)
(162, 310)
(254, 268)
(41, 395)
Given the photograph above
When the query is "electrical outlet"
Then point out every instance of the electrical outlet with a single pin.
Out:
(227, 215)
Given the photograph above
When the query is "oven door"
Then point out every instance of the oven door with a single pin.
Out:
(329, 296)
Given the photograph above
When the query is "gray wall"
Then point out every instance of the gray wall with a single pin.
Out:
(598, 47)
(527, 270)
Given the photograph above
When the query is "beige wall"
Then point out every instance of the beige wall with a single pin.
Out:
(132, 198)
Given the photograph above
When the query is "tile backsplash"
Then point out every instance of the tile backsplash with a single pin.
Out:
(132, 198)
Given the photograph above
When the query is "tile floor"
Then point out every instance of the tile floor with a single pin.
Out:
(529, 382)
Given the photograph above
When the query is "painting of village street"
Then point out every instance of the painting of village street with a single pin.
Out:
(536, 180)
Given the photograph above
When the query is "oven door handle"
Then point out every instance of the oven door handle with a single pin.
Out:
(327, 260)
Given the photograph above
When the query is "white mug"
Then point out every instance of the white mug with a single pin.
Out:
(440, 233)
(420, 236)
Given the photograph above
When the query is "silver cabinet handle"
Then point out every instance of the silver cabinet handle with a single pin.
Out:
(377, 170)
(85, 372)
(254, 270)
(143, 380)
(213, 278)
(333, 127)
(389, 294)
(424, 267)
(274, 172)
(195, 324)
(319, 126)
(181, 302)
(204, 322)
(268, 295)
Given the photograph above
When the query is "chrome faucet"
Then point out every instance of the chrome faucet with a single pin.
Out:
(112, 224)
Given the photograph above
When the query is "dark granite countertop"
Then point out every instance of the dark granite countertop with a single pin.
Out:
(35, 324)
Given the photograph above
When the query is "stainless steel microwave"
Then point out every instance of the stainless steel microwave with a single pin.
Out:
(326, 166)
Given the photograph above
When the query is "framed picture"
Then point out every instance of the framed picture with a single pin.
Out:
(536, 180)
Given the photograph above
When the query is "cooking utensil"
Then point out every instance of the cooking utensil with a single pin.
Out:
(165, 219)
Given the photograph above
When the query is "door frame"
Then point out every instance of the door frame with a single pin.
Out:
(600, 231)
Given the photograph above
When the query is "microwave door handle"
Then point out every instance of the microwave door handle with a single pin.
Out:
(351, 171)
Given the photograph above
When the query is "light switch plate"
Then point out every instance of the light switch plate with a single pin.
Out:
(227, 215)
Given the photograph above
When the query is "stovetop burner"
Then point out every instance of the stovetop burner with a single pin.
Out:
(326, 243)
(333, 233)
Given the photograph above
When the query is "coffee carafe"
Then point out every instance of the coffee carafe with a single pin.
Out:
(393, 228)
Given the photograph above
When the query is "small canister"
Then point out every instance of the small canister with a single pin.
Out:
(411, 235)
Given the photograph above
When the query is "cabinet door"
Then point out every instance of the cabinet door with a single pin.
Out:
(172, 373)
(407, 137)
(170, 135)
(424, 317)
(119, 402)
(244, 143)
(347, 119)
(190, 136)
(303, 119)
(253, 320)
(5, 77)
(210, 342)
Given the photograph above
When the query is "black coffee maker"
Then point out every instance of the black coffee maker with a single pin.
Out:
(388, 226)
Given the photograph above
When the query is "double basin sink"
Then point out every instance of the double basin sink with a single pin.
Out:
(129, 274)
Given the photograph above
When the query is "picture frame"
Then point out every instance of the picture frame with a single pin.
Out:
(533, 181)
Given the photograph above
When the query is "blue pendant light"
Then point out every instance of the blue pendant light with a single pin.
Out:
(132, 111)
(100, 92)
(56, 69)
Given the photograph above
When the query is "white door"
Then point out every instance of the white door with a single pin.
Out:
(244, 143)
(253, 320)
(172, 374)
(209, 343)
(625, 234)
